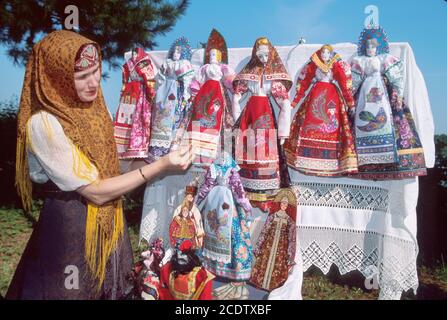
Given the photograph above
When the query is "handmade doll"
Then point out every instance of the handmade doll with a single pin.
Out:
(265, 82)
(387, 142)
(275, 250)
(211, 109)
(184, 278)
(321, 140)
(194, 212)
(146, 273)
(133, 117)
(172, 102)
(183, 228)
(226, 214)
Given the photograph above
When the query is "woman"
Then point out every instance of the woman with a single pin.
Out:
(79, 248)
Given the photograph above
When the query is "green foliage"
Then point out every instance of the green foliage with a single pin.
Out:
(441, 157)
(116, 25)
(8, 133)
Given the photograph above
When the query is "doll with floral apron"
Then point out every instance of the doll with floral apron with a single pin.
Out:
(226, 213)
(133, 117)
(171, 111)
(211, 109)
(387, 142)
(264, 82)
(321, 140)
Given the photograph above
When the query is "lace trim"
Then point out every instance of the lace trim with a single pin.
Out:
(260, 184)
(388, 260)
(342, 196)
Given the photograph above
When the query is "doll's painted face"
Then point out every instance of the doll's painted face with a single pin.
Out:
(326, 55)
(87, 83)
(189, 197)
(214, 56)
(284, 204)
(263, 53)
(182, 259)
(185, 212)
(371, 48)
(177, 53)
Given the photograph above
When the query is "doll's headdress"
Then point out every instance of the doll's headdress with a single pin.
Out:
(192, 190)
(286, 193)
(185, 48)
(378, 36)
(216, 41)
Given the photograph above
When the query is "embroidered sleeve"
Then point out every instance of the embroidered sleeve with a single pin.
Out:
(60, 159)
(304, 81)
(394, 72)
(206, 187)
(279, 91)
(125, 75)
(228, 77)
(186, 74)
(342, 74)
(239, 192)
(357, 74)
(241, 87)
(292, 241)
(146, 71)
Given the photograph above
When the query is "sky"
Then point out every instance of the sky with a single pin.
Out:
(421, 23)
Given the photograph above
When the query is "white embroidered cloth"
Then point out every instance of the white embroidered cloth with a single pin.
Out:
(357, 225)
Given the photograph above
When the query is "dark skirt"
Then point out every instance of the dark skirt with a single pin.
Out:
(53, 265)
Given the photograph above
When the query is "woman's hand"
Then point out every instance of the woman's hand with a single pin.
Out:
(180, 159)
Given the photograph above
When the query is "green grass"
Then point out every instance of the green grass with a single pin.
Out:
(15, 230)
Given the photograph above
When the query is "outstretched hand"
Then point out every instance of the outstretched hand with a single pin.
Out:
(179, 159)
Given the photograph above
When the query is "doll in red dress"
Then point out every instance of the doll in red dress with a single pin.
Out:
(184, 278)
(321, 139)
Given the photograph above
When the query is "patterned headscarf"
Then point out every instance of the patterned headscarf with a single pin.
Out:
(49, 86)
(274, 69)
(86, 57)
(380, 37)
(185, 48)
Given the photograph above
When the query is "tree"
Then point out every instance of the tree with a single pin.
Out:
(116, 25)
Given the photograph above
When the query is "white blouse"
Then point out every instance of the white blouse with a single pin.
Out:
(52, 155)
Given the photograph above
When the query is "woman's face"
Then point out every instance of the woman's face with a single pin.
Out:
(263, 53)
(177, 53)
(87, 83)
(325, 55)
